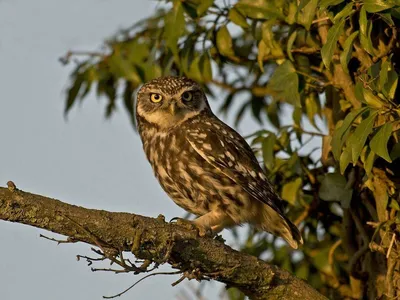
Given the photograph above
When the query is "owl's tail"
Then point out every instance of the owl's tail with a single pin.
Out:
(276, 223)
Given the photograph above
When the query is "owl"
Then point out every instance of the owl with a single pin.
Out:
(205, 166)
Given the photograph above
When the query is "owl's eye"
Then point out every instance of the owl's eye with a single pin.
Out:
(155, 98)
(187, 96)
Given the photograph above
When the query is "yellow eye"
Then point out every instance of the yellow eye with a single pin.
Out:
(155, 98)
(187, 96)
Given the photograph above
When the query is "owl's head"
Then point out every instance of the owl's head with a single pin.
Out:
(168, 101)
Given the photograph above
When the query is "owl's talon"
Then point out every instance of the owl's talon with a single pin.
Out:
(190, 225)
(219, 238)
(174, 219)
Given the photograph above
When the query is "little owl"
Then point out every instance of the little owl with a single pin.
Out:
(205, 166)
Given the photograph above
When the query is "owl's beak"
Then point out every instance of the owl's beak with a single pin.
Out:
(172, 108)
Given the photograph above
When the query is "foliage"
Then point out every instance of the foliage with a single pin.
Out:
(334, 65)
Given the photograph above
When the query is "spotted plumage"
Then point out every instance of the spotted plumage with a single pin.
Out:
(205, 166)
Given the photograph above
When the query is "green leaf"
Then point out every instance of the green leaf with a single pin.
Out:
(369, 161)
(389, 89)
(285, 82)
(344, 13)
(268, 151)
(128, 97)
(394, 204)
(363, 20)
(259, 9)
(284, 140)
(383, 74)
(263, 50)
(174, 27)
(373, 6)
(345, 159)
(268, 38)
(345, 56)
(306, 13)
(227, 104)
(328, 49)
(240, 113)
(395, 12)
(120, 68)
(272, 113)
(303, 3)
(190, 9)
(342, 131)
(365, 32)
(297, 114)
(187, 54)
(360, 135)
(195, 72)
(333, 188)
(312, 108)
(372, 100)
(387, 17)
(205, 67)
(291, 12)
(224, 42)
(237, 17)
(73, 92)
(359, 91)
(326, 3)
(289, 46)
(204, 6)
(395, 153)
(379, 142)
(291, 191)
(302, 271)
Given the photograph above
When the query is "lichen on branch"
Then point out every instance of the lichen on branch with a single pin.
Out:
(154, 240)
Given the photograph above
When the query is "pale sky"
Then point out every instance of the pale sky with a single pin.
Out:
(86, 160)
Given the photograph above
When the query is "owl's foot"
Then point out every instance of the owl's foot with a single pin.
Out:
(190, 225)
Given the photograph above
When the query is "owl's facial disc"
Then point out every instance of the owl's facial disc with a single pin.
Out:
(171, 110)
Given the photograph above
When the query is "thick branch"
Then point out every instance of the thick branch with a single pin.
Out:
(156, 240)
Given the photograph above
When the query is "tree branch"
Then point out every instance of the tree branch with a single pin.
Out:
(156, 240)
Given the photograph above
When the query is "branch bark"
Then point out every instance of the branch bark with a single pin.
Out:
(156, 240)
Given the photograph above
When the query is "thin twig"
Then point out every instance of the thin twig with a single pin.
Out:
(320, 20)
(69, 240)
(140, 280)
(391, 245)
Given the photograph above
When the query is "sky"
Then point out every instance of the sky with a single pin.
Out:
(83, 160)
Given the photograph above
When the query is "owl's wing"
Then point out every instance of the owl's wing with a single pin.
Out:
(226, 150)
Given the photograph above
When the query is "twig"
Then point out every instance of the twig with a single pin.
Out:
(227, 86)
(320, 20)
(90, 260)
(313, 133)
(332, 251)
(141, 279)
(305, 50)
(65, 59)
(391, 245)
(67, 241)
(110, 270)
(179, 280)
(319, 80)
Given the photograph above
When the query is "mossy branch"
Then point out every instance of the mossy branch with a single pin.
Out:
(155, 240)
